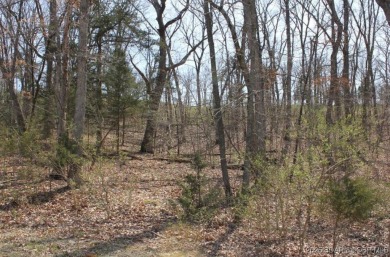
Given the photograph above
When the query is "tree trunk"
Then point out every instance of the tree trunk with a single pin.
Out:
(28, 83)
(63, 78)
(123, 125)
(182, 122)
(240, 56)
(147, 145)
(255, 141)
(81, 91)
(217, 111)
(51, 49)
(385, 5)
(348, 99)
(9, 73)
(287, 137)
(334, 88)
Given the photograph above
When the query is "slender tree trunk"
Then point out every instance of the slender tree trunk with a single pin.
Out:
(182, 122)
(217, 111)
(334, 88)
(240, 56)
(81, 91)
(118, 121)
(366, 99)
(28, 83)
(10, 72)
(348, 100)
(123, 125)
(287, 137)
(198, 64)
(51, 50)
(198, 90)
(147, 145)
(62, 76)
(305, 84)
(369, 86)
(99, 99)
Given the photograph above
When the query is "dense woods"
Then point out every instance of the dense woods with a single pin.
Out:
(288, 99)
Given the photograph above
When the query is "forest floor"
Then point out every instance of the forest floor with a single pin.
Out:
(126, 208)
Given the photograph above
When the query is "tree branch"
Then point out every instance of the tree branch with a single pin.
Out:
(146, 80)
(184, 59)
(385, 5)
(179, 16)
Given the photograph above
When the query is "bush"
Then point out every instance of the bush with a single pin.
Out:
(198, 200)
(197, 204)
(66, 153)
(352, 199)
(24, 145)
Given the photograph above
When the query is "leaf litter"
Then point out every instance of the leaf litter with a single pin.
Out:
(128, 211)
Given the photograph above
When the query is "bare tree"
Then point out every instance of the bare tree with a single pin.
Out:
(217, 111)
(255, 133)
(366, 22)
(334, 88)
(345, 81)
(81, 91)
(156, 87)
(62, 76)
(197, 55)
(52, 56)
(288, 83)
(10, 54)
(255, 141)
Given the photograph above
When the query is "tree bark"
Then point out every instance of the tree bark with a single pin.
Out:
(240, 56)
(385, 5)
(217, 111)
(255, 140)
(334, 88)
(182, 123)
(51, 49)
(348, 98)
(10, 71)
(147, 145)
(62, 75)
(287, 137)
(81, 91)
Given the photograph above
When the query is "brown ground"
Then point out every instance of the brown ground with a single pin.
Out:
(125, 209)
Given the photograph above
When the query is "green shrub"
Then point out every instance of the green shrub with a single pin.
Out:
(25, 145)
(198, 205)
(199, 200)
(352, 198)
(66, 153)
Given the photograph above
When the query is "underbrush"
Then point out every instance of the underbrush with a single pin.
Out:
(107, 188)
(199, 199)
(328, 183)
(324, 189)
